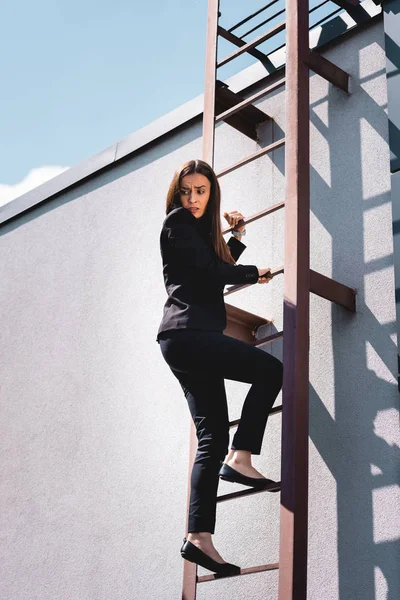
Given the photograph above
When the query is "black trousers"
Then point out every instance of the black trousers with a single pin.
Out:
(201, 360)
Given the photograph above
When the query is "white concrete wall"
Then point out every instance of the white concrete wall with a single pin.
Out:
(94, 439)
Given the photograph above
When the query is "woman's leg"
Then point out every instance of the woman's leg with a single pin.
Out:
(212, 353)
(198, 359)
(207, 403)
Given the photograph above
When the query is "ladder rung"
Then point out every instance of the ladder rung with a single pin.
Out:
(259, 215)
(245, 571)
(328, 70)
(246, 120)
(276, 487)
(252, 157)
(250, 45)
(268, 339)
(240, 286)
(227, 99)
(241, 105)
(270, 18)
(322, 286)
(249, 17)
(231, 37)
(275, 410)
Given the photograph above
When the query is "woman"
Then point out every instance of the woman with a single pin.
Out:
(197, 264)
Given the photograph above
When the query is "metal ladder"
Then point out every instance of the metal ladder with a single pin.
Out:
(221, 104)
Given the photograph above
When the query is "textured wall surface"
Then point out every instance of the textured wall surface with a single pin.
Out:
(94, 427)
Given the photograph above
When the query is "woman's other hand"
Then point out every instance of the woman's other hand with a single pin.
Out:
(234, 218)
(265, 275)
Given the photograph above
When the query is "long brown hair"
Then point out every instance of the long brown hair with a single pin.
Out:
(213, 206)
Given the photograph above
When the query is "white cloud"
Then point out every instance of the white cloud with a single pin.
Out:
(34, 178)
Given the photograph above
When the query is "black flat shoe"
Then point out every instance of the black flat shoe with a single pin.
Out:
(192, 553)
(228, 474)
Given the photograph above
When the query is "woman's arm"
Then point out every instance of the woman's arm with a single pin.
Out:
(235, 243)
(192, 251)
(236, 247)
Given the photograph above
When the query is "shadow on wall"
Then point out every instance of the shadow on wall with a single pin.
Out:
(393, 56)
(348, 443)
(269, 133)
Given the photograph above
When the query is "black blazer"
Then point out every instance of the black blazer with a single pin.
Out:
(194, 275)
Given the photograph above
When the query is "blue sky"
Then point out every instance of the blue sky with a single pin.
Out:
(79, 76)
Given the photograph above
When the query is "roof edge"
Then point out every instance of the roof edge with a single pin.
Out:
(330, 33)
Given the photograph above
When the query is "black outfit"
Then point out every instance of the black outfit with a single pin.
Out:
(200, 356)
(194, 276)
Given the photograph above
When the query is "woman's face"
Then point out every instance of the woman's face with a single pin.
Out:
(194, 193)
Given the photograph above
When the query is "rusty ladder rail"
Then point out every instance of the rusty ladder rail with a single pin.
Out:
(299, 279)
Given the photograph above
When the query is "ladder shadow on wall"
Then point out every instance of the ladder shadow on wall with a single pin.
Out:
(354, 434)
(268, 133)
